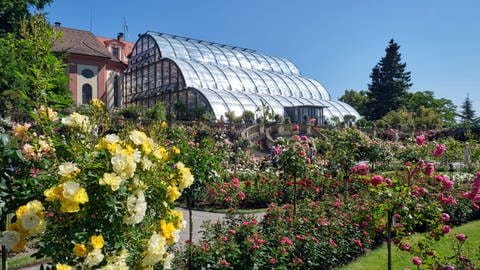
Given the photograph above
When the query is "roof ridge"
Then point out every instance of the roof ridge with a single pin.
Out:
(200, 41)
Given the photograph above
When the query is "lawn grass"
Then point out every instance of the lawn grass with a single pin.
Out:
(377, 259)
(23, 260)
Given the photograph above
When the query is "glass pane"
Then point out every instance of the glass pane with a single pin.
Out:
(218, 54)
(263, 62)
(233, 79)
(323, 92)
(301, 86)
(272, 86)
(165, 48)
(86, 93)
(295, 91)
(283, 66)
(283, 87)
(253, 61)
(180, 50)
(245, 79)
(206, 53)
(273, 63)
(260, 86)
(232, 59)
(205, 77)
(219, 76)
(189, 74)
(244, 63)
(193, 50)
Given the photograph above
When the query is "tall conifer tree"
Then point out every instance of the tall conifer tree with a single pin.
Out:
(467, 114)
(390, 83)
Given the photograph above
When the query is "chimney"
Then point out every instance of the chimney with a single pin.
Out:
(58, 24)
(120, 36)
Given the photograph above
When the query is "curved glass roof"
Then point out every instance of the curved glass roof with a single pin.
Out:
(222, 101)
(203, 75)
(237, 79)
(218, 54)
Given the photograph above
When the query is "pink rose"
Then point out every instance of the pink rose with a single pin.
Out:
(416, 260)
(445, 217)
(295, 127)
(429, 169)
(241, 195)
(376, 180)
(236, 182)
(439, 150)
(446, 229)
(420, 140)
(461, 237)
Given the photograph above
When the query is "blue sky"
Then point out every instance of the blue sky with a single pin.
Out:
(336, 42)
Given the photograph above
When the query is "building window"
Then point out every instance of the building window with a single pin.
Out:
(88, 73)
(116, 52)
(86, 93)
(116, 91)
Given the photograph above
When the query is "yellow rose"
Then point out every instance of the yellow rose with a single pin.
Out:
(163, 124)
(175, 150)
(80, 250)
(17, 226)
(111, 179)
(22, 210)
(186, 177)
(68, 206)
(68, 170)
(160, 153)
(137, 137)
(168, 230)
(173, 193)
(97, 103)
(97, 241)
(36, 206)
(81, 196)
(60, 266)
(147, 146)
(54, 193)
(19, 131)
(52, 115)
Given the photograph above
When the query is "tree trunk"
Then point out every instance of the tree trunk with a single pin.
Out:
(3, 225)
(190, 231)
(389, 239)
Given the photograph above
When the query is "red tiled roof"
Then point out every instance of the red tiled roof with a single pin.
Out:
(127, 45)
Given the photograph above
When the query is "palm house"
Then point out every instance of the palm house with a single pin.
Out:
(193, 76)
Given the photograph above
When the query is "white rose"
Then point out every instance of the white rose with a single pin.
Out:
(10, 239)
(93, 258)
(70, 188)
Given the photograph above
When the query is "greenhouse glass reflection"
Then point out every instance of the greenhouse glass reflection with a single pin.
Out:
(192, 76)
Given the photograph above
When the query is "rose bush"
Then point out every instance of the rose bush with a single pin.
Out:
(108, 198)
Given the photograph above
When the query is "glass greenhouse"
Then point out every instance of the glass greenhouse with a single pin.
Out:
(193, 76)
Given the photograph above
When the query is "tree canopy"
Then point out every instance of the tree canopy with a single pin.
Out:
(358, 100)
(30, 74)
(12, 12)
(389, 85)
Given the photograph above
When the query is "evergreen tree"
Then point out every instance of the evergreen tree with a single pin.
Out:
(467, 114)
(390, 83)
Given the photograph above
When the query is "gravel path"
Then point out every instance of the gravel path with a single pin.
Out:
(198, 219)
